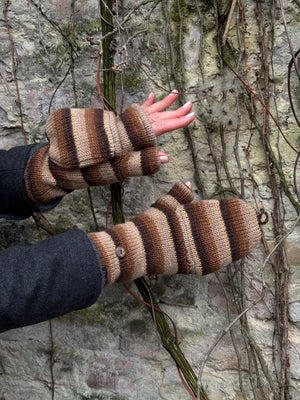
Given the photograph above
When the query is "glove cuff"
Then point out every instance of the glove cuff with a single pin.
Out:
(41, 186)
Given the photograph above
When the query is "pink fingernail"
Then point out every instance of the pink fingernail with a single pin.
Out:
(164, 159)
(173, 92)
(188, 184)
(187, 104)
(190, 114)
(150, 95)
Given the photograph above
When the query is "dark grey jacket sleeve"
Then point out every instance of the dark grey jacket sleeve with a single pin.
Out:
(14, 202)
(54, 277)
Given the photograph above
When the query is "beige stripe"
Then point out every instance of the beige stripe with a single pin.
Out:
(192, 254)
(80, 135)
(112, 133)
(167, 250)
(124, 139)
(108, 255)
(47, 186)
(255, 231)
(107, 120)
(134, 164)
(53, 129)
(248, 227)
(136, 247)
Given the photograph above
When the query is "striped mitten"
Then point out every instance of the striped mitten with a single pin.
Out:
(91, 147)
(177, 236)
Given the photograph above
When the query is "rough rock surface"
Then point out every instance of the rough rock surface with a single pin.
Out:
(111, 351)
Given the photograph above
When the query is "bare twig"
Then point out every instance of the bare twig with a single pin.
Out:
(288, 38)
(5, 81)
(233, 4)
(253, 304)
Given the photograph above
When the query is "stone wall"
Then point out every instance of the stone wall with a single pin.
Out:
(112, 350)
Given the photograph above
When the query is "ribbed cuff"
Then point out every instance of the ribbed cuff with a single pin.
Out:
(138, 129)
(40, 184)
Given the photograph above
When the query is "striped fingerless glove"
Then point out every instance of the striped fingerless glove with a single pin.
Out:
(177, 236)
(91, 147)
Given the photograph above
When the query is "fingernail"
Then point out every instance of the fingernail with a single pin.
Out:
(150, 95)
(173, 92)
(188, 184)
(187, 104)
(164, 159)
(190, 114)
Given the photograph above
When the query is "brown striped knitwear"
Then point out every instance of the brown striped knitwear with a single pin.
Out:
(177, 236)
(91, 147)
(45, 181)
(83, 137)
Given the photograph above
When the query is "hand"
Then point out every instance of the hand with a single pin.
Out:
(166, 121)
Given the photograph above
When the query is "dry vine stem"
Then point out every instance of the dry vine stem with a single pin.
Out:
(169, 341)
(174, 40)
(253, 304)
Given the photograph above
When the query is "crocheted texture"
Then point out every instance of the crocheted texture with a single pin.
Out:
(91, 148)
(177, 236)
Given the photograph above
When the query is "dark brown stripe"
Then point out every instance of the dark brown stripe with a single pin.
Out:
(236, 239)
(90, 175)
(151, 241)
(62, 126)
(101, 135)
(150, 161)
(181, 194)
(116, 166)
(130, 126)
(202, 227)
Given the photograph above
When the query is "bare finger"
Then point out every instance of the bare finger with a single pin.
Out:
(149, 101)
(160, 127)
(163, 104)
(180, 112)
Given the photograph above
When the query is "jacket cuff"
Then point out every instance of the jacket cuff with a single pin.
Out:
(15, 203)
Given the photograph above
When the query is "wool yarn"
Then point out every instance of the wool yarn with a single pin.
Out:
(84, 137)
(177, 236)
(91, 147)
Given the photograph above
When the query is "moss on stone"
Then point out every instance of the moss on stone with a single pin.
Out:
(133, 80)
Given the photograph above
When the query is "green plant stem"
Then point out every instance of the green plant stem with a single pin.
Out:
(109, 94)
(169, 341)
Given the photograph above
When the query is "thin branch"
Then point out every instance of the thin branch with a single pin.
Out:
(288, 38)
(253, 304)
